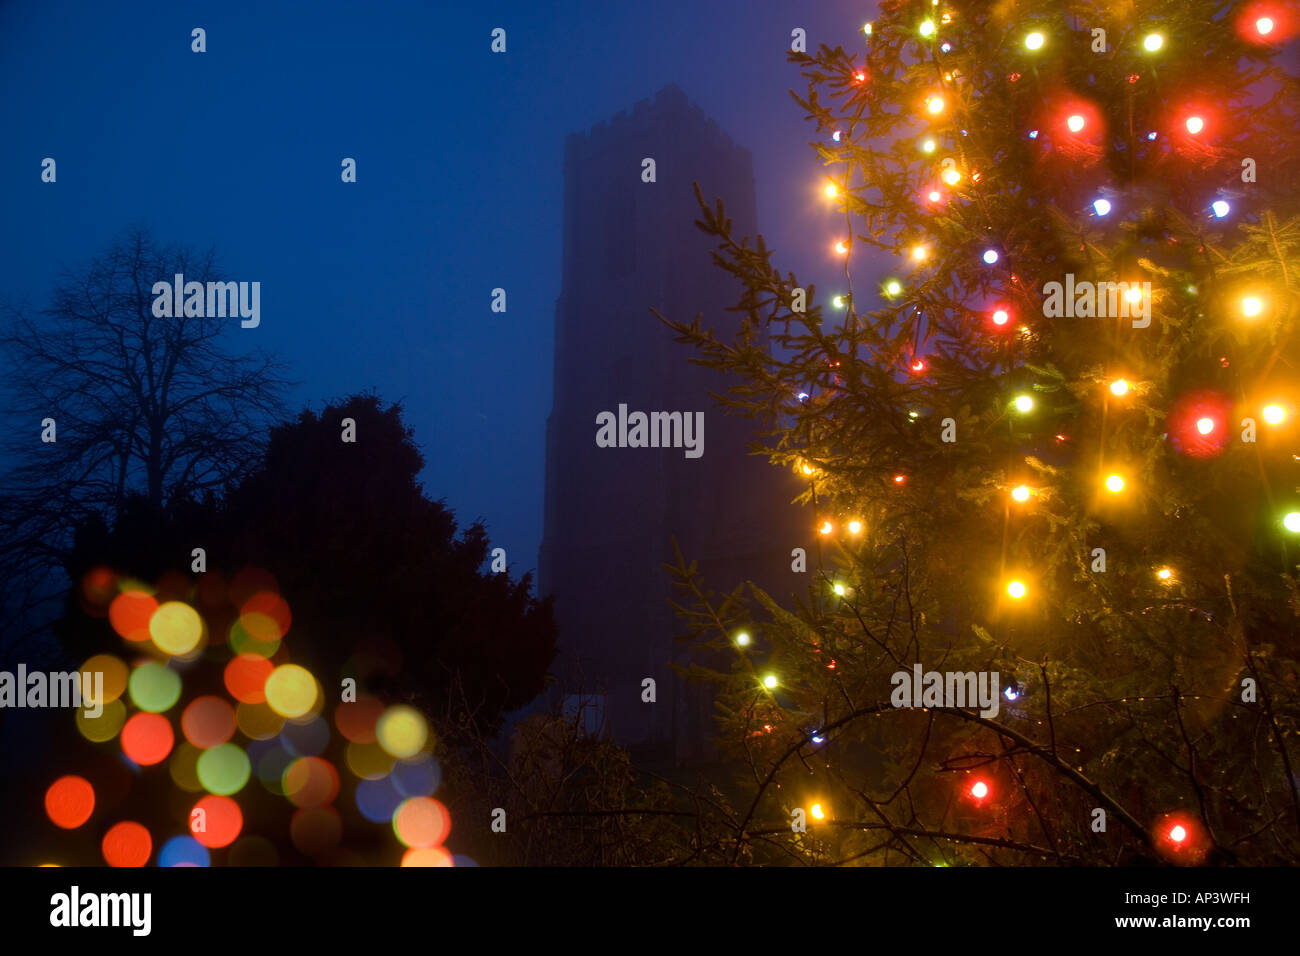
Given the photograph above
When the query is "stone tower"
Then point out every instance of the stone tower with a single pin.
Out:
(613, 512)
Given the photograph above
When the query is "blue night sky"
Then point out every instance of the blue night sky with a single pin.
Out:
(386, 284)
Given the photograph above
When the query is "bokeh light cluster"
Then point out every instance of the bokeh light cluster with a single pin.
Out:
(269, 726)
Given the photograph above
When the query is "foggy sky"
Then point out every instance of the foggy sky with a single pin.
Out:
(386, 283)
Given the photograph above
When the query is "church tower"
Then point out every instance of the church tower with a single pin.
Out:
(612, 513)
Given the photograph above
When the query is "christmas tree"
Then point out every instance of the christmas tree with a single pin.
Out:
(1050, 458)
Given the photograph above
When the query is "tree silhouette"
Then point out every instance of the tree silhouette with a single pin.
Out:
(380, 586)
(160, 407)
(377, 575)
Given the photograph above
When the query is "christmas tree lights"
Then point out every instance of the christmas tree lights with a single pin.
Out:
(1046, 153)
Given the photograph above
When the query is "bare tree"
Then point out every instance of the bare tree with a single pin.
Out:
(160, 407)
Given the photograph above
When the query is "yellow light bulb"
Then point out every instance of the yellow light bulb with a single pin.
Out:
(827, 527)
(842, 247)
(1274, 414)
(1153, 42)
(1115, 484)
(769, 681)
(1017, 589)
(817, 811)
(1119, 387)
(1024, 403)
(855, 527)
(1133, 295)
(831, 191)
(742, 639)
(1021, 493)
(1164, 574)
(892, 287)
(951, 176)
(927, 28)
(1251, 306)
(919, 253)
(927, 146)
(935, 105)
(1034, 41)
(838, 589)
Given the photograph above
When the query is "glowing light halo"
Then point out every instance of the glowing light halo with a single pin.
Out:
(69, 801)
(224, 769)
(176, 628)
(421, 822)
(291, 690)
(402, 731)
